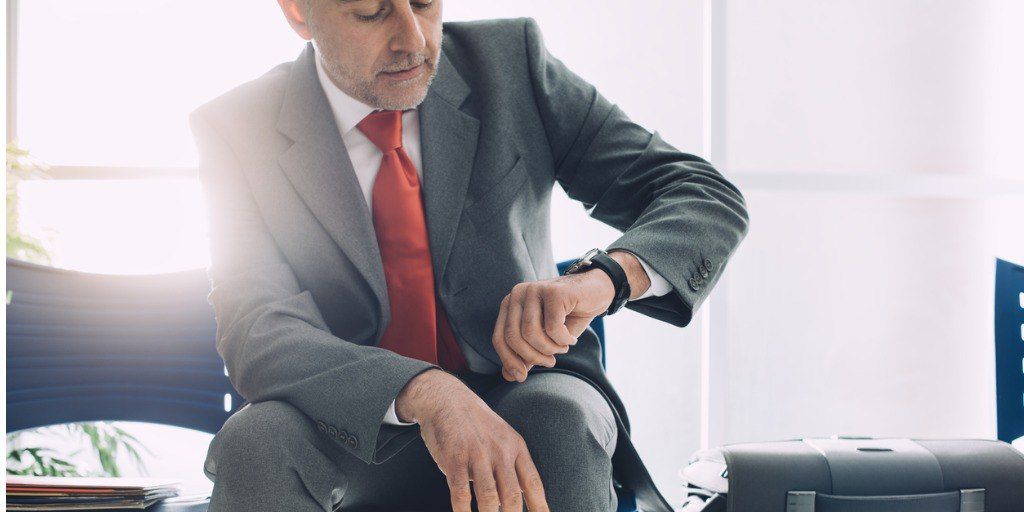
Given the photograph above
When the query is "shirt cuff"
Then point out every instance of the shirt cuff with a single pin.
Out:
(391, 417)
(659, 285)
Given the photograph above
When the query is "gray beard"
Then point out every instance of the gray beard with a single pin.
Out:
(363, 91)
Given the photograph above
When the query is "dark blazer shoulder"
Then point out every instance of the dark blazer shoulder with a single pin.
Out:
(495, 39)
(490, 55)
(489, 28)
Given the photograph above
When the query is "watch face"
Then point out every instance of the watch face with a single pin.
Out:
(582, 262)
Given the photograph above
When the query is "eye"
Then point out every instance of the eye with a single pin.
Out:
(422, 5)
(372, 17)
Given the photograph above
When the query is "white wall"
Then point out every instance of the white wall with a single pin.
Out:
(874, 140)
(861, 314)
(873, 86)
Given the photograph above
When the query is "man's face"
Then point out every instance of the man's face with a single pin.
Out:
(381, 52)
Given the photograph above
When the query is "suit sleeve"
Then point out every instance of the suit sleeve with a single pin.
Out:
(270, 332)
(675, 211)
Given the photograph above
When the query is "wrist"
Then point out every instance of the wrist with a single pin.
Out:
(638, 279)
(595, 281)
(418, 400)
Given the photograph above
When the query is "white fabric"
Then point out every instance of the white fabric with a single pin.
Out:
(391, 418)
(659, 285)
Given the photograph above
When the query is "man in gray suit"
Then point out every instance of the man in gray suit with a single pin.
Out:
(492, 121)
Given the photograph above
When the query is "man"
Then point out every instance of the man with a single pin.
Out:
(386, 297)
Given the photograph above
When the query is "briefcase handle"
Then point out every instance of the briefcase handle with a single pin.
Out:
(966, 500)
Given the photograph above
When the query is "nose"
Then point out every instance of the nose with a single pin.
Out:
(407, 36)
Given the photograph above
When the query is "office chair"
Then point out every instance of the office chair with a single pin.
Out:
(1009, 337)
(95, 347)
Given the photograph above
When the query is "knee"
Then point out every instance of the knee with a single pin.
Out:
(255, 433)
(560, 410)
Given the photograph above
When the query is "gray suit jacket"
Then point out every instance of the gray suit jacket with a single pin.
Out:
(298, 286)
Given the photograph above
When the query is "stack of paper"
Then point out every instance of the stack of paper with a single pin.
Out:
(86, 493)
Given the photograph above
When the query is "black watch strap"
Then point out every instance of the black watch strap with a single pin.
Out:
(597, 258)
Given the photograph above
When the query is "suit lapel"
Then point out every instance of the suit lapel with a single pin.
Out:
(320, 169)
(448, 141)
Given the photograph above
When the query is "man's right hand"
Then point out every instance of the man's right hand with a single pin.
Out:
(470, 442)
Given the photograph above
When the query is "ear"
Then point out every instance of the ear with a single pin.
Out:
(294, 12)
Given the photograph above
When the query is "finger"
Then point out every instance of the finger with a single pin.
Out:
(531, 325)
(512, 366)
(505, 373)
(458, 487)
(508, 488)
(484, 487)
(515, 340)
(554, 318)
(530, 483)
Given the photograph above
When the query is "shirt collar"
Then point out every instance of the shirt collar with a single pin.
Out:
(348, 111)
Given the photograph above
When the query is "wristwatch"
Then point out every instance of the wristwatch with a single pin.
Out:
(597, 258)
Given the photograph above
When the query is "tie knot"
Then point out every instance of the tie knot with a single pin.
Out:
(383, 128)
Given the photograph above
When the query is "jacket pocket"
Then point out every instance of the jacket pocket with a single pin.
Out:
(499, 196)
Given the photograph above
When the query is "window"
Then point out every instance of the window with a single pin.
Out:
(110, 82)
(105, 104)
(102, 91)
(117, 226)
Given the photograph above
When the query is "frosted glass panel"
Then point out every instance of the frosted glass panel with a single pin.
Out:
(873, 86)
(861, 315)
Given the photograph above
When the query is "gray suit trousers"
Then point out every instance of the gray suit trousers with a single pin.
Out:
(269, 456)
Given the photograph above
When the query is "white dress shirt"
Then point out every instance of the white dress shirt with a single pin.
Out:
(366, 158)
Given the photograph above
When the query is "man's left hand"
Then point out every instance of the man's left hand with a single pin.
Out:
(539, 319)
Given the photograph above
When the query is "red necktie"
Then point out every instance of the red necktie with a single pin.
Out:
(419, 327)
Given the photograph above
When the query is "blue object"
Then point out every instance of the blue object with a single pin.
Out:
(1009, 330)
(94, 347)
(86, 347)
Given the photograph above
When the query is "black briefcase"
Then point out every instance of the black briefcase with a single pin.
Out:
(848, 474)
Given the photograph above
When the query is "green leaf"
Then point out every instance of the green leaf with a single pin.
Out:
(19, 245)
